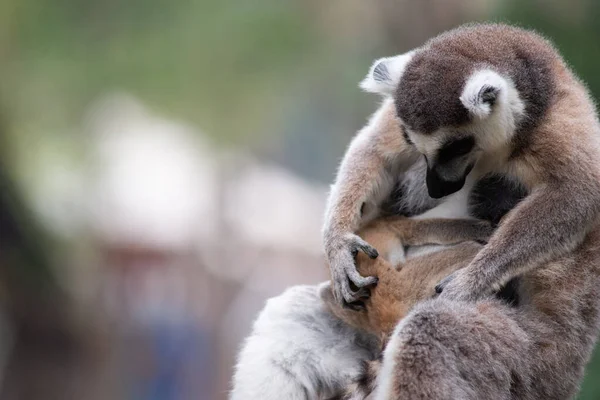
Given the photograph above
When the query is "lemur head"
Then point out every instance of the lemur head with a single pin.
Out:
(457, 101)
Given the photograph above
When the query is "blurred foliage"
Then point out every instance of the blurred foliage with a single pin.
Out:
(235, 71)
(205, 61)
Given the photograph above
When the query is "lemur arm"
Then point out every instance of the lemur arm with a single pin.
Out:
(550, 222)
(365, 176)
(442, 231)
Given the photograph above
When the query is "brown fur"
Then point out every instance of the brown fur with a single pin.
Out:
(402, 285)
(443, 64)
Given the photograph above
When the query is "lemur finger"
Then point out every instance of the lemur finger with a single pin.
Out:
(359, 280)
(347, 295)
(356, 306)
(439, 288)
(363, 293)
(366, 248)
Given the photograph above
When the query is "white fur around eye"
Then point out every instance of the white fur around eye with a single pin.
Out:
(385, 73)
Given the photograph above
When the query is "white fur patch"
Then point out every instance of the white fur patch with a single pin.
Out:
(297, 349)
(427, 144)
(496, 123)
(385, 73)
(455, 205)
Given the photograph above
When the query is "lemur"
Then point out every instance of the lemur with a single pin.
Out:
(302, 347)
(476, 100)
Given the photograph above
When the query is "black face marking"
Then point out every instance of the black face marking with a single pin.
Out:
(490, 199)
(455, 148)
(381, 72)
(438, 187)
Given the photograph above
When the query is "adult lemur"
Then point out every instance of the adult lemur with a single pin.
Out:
(476, 100)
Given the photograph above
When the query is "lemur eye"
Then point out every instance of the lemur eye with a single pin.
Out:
(456, 148)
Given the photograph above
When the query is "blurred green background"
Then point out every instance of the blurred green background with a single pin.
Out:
(273, 80)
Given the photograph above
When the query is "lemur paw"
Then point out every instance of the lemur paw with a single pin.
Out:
(340, 253)
(457, 286)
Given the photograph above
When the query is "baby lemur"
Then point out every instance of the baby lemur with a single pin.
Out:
(302, 347)
(477, 100)
(403, 282)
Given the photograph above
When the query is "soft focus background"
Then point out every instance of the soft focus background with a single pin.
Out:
(164, 169)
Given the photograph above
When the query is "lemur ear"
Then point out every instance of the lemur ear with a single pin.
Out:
(385, 73)
(482, 92)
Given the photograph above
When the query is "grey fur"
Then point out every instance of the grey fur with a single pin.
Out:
(550, 146)
(544, 153)
(442, 349)
(298, 350)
